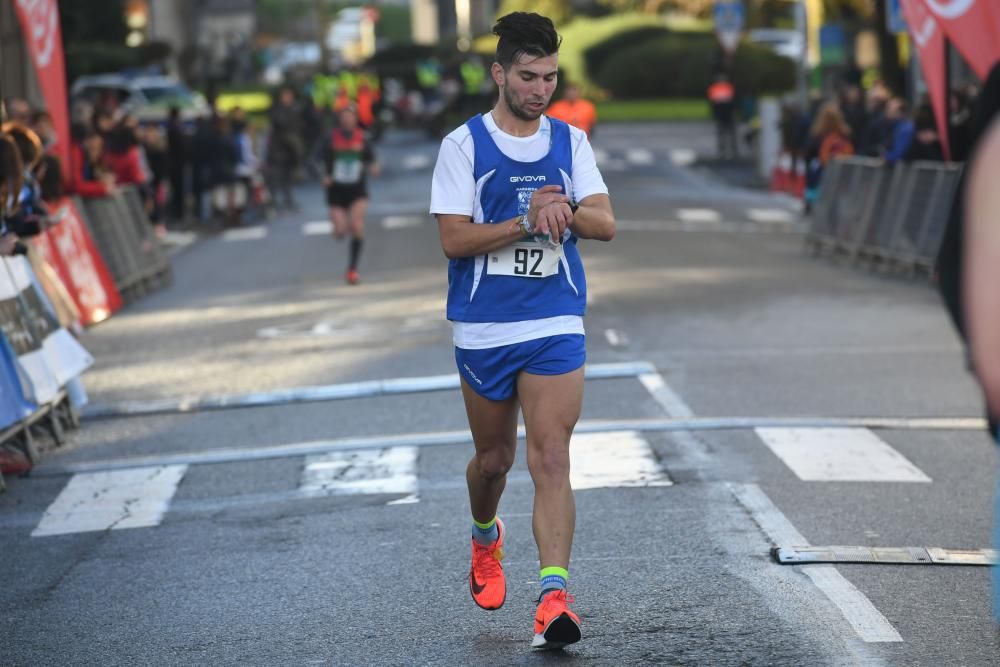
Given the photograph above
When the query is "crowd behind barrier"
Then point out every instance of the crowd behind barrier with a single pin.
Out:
(103, 253)
(892, 217)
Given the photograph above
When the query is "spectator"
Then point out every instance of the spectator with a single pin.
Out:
(18, 111)
(575, 110)
(154, 147)
(221, 171)
(247, 165)
(285, 150)
(722, 97)
(29, 220)
(960, 124)
(900, 131)
(11, 182)
(852, 105)
(878, 128)
(830, 136)
(89, 175)
(202, 144)
(41, 123)
(926, 144)
(177, 157)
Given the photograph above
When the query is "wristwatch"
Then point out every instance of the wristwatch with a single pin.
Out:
(526, 228)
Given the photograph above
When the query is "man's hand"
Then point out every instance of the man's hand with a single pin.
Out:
(549, 211)
(7, 244)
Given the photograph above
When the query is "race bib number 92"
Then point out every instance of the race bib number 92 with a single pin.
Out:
(524, 260)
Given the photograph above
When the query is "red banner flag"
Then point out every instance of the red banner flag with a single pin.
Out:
(43, 35)
(929, 40)
(973, 26)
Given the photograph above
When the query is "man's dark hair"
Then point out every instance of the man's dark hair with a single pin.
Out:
(522, 34)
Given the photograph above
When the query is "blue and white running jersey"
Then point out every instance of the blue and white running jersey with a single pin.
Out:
(531, 279)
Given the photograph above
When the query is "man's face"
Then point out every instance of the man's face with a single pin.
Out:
(528, 85)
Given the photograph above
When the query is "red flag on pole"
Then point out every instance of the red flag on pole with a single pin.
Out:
(43, 35)
(929, 40)
(973, 26)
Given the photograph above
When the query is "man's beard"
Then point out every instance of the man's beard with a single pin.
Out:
(519, 112)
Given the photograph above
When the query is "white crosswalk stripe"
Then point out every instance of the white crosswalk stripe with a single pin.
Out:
(839, 455)
(698, 215)
(317, 228)
(402, 221)
(245, 234)
(770, 215)
(136, 498)
(392, 470)
(611, 460)
(640, 156)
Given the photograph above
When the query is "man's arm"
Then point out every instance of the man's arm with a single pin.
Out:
(981, 282)
(594, 219)
(461, 238)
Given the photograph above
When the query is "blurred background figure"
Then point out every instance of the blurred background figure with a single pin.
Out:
(830, 137)
(285, 147)
(575, 110)
(900, 131)
(926, 144)
(177, 158)
(722, 98)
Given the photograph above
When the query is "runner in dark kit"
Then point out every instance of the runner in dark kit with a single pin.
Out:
(349, 160)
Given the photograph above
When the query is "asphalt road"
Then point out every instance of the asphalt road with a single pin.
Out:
(336, 531)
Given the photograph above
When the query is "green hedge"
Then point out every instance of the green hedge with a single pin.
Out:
(683, 65)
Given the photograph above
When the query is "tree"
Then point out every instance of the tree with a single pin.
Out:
(560, 11)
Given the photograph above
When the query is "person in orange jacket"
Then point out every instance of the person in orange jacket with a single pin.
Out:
(722, 96)
(575, 110)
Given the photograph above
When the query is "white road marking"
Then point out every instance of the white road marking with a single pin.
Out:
(392, 470)
(416, 161)
(668, 399)
(245, 234)
(135, 498)
(641, 156)
(317, 228)
(615, 459)
(402, 221)
(770, 215)
(683, 157)
(677, 426)
(175, 238)
(839, 455)
(698, 215)
(867, 621)
(614, 164)
(600, 156)
(615, 338)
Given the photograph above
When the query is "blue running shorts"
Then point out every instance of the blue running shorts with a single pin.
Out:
(492, 372)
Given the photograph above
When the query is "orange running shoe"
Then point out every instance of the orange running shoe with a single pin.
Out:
(486, 580)
(352, 277)
(555, 625)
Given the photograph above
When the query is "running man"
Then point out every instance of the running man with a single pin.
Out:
(349, 159)
(513, 191)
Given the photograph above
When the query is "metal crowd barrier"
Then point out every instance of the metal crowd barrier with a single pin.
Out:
(891, 216)
(124, 235)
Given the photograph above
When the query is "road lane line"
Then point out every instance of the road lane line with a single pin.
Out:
(698, 215)
(668, 399)
(402, 221)
(615, 338)
(770, 215)
(323, 393)
(683, 157)
(136, 498)
(639, 156)
(317, 228)
(611, 460)
(245, 234)
(839, 455)
(442, 438)
(867, 621)
(392, 470)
